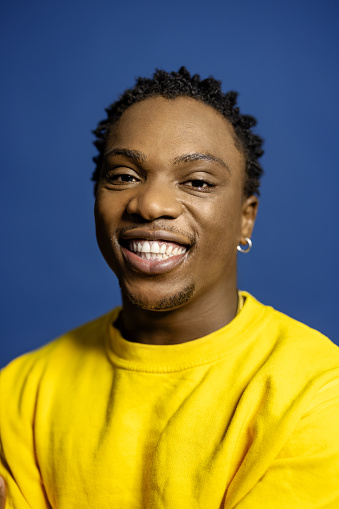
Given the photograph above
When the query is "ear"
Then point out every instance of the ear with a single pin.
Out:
(249, 213)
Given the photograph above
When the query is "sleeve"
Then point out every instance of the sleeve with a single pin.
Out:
(305, 474)
(18, 465)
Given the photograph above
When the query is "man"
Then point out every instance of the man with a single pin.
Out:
(193, 395)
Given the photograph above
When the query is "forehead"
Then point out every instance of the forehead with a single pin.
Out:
(169, 127)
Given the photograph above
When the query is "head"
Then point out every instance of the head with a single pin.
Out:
(176, 184)
(182, 84)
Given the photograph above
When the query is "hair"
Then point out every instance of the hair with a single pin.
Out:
(178, 84)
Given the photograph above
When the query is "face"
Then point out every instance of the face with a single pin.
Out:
(169, 207)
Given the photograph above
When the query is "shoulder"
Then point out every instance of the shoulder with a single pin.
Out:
(311, 344)
(287, 332)
(292, 354)
(66, 351)
(294, 390)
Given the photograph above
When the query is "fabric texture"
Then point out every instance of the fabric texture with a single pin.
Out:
(242, 418)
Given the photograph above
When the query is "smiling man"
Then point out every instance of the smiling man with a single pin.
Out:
(170, 211)
(193, 394)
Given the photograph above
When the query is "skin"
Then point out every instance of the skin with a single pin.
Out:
(2, 494)
(172, 166)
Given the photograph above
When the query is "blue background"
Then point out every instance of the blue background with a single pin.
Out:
(64, 62)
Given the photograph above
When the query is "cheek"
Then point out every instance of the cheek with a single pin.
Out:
(104, 228)
(104, 224)
(106, 211)
(222, 221)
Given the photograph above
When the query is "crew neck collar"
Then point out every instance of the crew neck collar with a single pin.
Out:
(170, 358)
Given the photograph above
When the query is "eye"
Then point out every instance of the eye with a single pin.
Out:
(120, 178)
(198, 184)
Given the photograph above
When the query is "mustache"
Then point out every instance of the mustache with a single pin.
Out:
(158, 225)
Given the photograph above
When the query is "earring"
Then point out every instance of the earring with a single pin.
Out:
(245, 249)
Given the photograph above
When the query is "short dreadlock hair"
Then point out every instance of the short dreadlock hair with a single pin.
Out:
(178, 84)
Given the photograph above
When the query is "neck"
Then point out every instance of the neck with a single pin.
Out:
(195, 319)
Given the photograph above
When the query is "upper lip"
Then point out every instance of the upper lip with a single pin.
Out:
(164, 235)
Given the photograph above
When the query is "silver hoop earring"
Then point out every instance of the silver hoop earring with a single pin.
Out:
(245, 249)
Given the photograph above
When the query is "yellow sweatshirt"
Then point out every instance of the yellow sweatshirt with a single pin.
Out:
(246, 417)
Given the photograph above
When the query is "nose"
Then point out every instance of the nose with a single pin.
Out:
(154, 201)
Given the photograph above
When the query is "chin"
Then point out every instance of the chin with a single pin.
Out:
(160, 304)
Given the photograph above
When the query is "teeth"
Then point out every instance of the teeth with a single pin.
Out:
(155, 247)
(146, 248)
(153, 250)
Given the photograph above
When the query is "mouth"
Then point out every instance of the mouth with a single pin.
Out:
(153, 252)
(155, 249)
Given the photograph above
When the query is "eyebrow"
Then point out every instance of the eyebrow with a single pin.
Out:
(197, 156)
(138, 157)
(133, 155)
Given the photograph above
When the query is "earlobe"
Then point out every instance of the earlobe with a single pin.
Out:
(249, 214)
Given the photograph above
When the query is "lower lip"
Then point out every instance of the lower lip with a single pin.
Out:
(152, 267)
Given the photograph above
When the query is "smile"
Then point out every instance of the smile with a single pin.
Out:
(155, 250)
